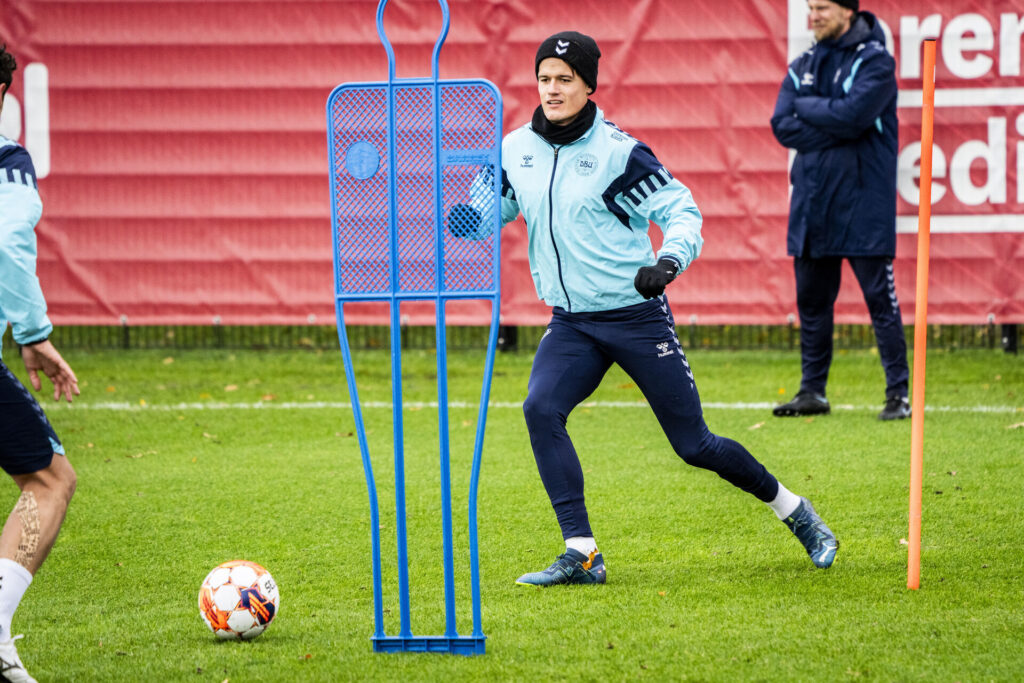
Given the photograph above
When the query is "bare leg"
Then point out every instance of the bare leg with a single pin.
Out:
(33, 525)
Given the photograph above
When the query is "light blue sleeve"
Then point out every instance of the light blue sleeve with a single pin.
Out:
(647, 189)
(483, 196)
(509, 203)
(673, 209)
(481, 200)
(21, 297)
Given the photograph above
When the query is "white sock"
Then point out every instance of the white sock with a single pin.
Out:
(785, 503)
(582, 544)
(14, 581)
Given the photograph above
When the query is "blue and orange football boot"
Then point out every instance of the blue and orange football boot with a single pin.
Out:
(572, 567)
(819, 541)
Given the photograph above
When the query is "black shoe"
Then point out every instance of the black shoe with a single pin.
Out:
(804, 403)
(896, 408)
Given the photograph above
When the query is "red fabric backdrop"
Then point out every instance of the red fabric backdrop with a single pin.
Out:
(184, 150)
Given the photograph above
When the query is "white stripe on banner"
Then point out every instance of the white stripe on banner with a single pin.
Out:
(964, 97)
(420, 405)
(1000, 222)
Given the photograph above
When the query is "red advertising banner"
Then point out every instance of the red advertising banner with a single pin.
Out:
(977, 248)
(182, 154)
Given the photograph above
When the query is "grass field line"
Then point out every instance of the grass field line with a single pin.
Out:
(124, 406)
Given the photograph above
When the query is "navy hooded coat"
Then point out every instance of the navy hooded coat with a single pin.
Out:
(837, 109)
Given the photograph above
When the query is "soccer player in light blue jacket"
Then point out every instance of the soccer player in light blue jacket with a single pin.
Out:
(588, 191)
(30, 451)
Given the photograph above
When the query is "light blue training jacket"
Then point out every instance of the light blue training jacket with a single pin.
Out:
(21, 298)
(588, 205)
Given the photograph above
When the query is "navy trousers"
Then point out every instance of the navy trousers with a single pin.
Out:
(817, 286)
(575, 353)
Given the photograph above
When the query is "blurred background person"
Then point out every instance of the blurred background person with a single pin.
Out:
(837, 109)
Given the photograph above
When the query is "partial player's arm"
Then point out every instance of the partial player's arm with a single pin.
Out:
(466, 220)
(43, 355)
(509, 203)
(647, 189)
(870, 88)
(21, 298)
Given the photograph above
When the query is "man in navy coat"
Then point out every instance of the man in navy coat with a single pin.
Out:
(837, 109)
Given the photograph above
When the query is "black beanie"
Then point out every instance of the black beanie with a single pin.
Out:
(849, 4)
(575, 49)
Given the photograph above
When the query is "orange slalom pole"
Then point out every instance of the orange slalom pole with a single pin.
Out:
(924, 218)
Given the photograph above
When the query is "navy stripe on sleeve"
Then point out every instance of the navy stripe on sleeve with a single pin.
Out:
(16, 165)
(506, 188)
(644, 175)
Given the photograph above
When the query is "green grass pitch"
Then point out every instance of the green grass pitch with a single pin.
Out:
(190, 458)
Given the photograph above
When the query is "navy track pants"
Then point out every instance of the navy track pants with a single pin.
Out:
(817, 286)
(576, 351)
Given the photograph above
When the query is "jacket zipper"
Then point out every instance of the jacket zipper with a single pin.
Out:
(551, 229)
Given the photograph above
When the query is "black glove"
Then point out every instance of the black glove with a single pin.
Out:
(650, 281)
(463, 220)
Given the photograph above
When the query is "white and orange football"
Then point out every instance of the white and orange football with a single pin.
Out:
(238, 600)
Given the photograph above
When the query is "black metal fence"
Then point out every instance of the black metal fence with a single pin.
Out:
(693, 337)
